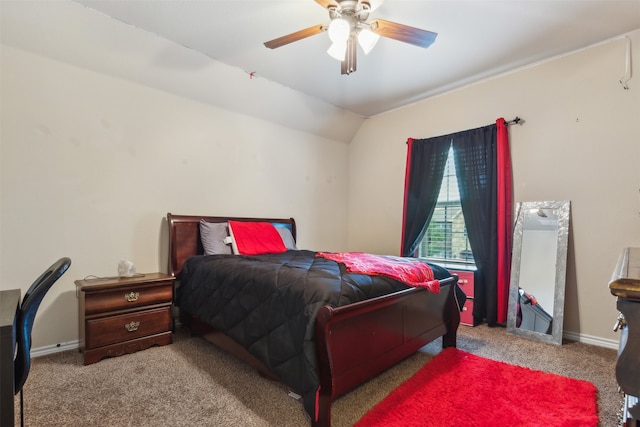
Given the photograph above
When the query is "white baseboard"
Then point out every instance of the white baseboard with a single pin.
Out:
(589, 339)
(55, 348)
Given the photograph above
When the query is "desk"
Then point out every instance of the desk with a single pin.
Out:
(9, 303)
(625, 285)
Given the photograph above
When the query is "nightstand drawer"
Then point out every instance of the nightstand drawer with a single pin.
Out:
(466, 315)
(131, 296)
(115, 329)
(465, 281)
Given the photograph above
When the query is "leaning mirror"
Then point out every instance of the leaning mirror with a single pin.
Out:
(538, 270)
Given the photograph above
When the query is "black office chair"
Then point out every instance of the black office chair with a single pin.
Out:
(25, 317)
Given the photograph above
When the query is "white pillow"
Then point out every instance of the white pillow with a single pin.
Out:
(234, 246)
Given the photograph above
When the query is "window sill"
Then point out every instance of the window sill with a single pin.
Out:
(454, 265)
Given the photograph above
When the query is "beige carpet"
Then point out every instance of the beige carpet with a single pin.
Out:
(192, 383)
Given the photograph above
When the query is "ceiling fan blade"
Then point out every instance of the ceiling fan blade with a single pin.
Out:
(327, 3)
(403, 33)
(293, 37)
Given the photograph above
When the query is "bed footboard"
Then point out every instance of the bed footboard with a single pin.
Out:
(358, 341)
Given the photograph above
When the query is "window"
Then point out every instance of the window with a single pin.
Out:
(446, 237)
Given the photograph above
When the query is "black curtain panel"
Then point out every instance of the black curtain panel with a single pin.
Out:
(475, 155)
(483, 171)
(426, 160)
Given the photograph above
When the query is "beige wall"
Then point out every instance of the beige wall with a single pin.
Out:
(90, 166)
(580, 142)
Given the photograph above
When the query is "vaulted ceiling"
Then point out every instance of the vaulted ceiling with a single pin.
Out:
(476, 39)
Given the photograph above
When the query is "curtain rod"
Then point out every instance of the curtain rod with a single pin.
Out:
(515, 121)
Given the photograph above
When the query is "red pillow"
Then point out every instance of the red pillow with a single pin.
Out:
(255, 238)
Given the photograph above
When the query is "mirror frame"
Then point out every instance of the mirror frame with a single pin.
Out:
(562, 210)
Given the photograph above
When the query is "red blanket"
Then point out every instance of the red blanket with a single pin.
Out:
(410, 271)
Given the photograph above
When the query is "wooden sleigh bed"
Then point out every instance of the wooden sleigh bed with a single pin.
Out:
(353, 342)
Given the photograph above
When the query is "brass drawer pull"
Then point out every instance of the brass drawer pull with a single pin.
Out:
(132, 326)
(132, 296)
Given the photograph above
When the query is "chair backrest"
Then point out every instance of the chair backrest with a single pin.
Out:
(27, 314)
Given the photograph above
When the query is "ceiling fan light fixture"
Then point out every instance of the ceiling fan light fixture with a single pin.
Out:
(339, 30)
(367, 39)
(338, 50)
(349, 27)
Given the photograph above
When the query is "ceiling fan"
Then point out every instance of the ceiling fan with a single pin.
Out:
(349, 27)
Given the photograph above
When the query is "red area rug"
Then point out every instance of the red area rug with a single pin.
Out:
(456, 388)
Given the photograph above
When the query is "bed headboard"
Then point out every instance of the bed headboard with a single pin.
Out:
(184, 235)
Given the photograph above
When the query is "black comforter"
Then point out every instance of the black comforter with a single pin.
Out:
(268, 304)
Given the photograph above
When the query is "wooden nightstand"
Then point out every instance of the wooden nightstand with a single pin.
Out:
(120, 316)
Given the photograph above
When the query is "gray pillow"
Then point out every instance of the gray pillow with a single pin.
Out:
(287, 238)
(213, 235)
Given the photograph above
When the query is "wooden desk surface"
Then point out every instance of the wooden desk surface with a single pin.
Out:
(625, 281)
(9, 303)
